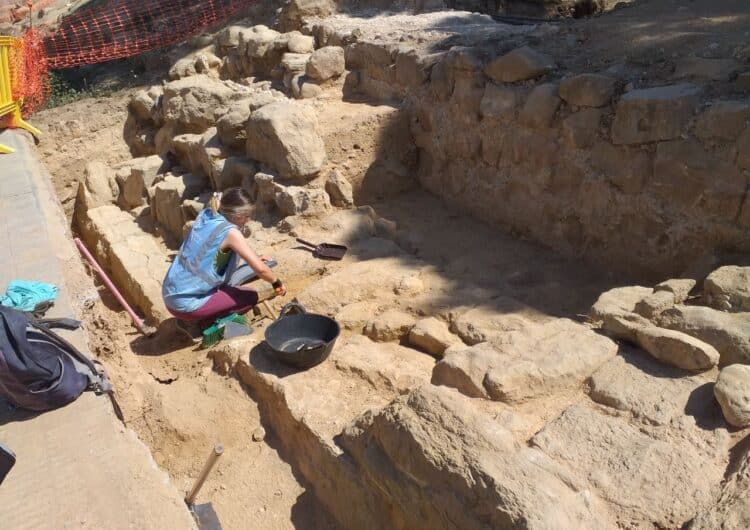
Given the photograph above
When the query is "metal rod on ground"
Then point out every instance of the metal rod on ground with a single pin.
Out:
(142, 327)
(216, 452)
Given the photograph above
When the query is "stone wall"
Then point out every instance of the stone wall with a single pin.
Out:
(645, 180)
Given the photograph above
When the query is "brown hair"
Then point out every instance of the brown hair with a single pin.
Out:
(231, 203)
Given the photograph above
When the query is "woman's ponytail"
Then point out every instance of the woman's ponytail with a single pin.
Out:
(215, 202)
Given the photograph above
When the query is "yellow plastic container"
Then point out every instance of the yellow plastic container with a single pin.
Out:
(10, 109)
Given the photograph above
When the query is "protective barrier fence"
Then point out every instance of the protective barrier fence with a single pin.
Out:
(14, 85)
(123, 28)
(98, 32)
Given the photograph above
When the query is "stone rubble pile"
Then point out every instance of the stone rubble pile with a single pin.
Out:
(666, 323)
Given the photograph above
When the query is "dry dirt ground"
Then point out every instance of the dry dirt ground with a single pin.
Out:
(180, 406)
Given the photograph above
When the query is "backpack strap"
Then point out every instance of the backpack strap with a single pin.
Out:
(98, 382)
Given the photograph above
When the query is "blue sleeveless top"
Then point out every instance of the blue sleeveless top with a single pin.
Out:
(192, 278)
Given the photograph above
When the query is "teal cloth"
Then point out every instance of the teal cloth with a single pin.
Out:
(25, 295)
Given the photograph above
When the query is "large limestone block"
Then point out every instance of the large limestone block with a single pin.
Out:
(627, 168)
(499, 103)
(443, 442)
(134, 259)
(732, 391)
(232, 125)
(284, 136)
(618, 301)
(392, 325)
(677, 349)
(729, 333)
(679, 287)
(632, 468)
(588, 90)
(168, 196)
(136, 177)
(541, 106)
(195, 103)
(728, 288)
(693, 67)
(654, 393)
(483, 323)
(725, 120)
(97, 187)
(655, 303)
(654, 114)
(541, 360)
(689, 177)
(733, 509)
(581, 129)
(519, 65)
(326, 63)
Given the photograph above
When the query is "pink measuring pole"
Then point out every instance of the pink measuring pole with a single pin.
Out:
(111, 286)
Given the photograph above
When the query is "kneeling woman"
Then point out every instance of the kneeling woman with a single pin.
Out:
(204, 281)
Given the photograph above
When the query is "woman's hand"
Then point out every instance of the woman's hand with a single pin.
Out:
(280, 291)
(265, 259)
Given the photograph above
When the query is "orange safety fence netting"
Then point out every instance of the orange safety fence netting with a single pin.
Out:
(107, 30)
(29, 73)
(104, 31)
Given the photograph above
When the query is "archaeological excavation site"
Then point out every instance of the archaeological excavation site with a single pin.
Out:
(497, 262)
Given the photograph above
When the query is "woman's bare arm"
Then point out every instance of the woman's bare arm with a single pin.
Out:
(238, 244)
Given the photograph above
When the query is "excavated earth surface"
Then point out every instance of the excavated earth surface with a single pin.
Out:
(492, 370)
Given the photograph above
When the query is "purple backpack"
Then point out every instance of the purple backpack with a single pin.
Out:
(39, 370)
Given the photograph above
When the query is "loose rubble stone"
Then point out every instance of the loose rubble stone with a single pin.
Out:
(680, 288)
(618, 301)
(702, 68)
(728, 288)
(432, 336)
(326, 63)
(678, 349)
(729, 333)
(654, 114)
(622, 462)
(540, 360)
(299, 43)
(588, 90)
(295, 63)
(581, 129)
(304, 88)
(142, 105)
(652, 392)
(284, 136)
(393, 325)
(725, 120)
(655, 303)
(297, 200)
(732, 391)
(519, 65)
(339, 189)
(541, 106)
